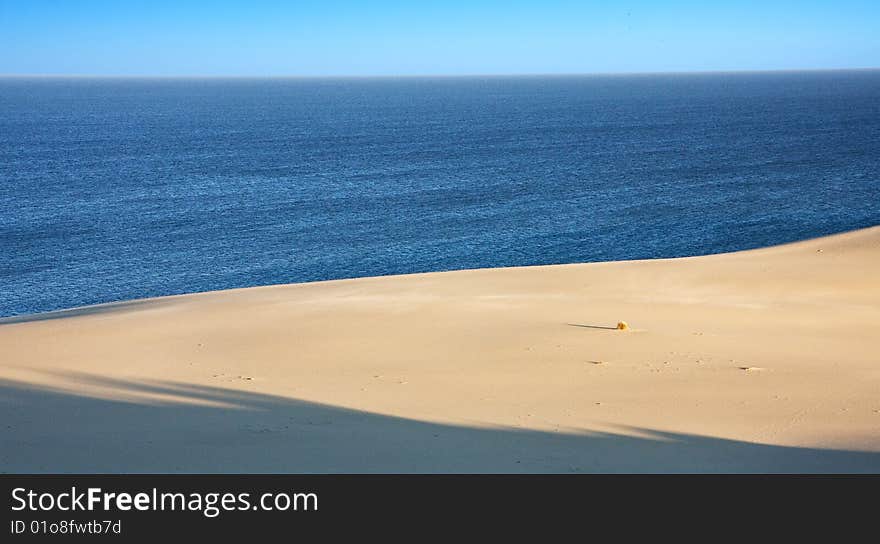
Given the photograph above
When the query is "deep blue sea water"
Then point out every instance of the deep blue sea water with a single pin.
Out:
(113, 189)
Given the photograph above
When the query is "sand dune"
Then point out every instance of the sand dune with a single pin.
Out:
(759, 361)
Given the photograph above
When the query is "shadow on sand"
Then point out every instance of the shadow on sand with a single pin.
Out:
(172, 427)
(96, 309)
(591, 326)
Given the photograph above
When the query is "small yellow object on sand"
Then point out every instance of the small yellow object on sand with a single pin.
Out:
(622, 326)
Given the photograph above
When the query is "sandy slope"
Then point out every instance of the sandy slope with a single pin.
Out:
(766, 360)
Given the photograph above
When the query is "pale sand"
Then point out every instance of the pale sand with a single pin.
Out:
(760, 361)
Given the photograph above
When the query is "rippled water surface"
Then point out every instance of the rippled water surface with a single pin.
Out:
(113, 189)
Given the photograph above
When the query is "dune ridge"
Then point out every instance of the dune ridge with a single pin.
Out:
(757, 361)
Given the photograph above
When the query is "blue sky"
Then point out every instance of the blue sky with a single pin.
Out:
(391, 37)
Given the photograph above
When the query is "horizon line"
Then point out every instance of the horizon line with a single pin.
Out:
(430, 75)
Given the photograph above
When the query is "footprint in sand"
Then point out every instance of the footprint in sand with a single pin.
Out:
(228, 378)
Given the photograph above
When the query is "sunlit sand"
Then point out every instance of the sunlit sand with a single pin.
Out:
(759, 361)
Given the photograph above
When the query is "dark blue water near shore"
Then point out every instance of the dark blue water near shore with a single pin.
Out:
(121, 189)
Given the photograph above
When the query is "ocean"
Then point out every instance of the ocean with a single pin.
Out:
(116, 189)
